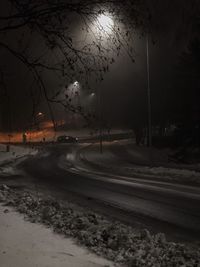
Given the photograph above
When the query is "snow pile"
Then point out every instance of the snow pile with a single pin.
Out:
(167, 173)
(114, 163)
(15, 152)
(25, 244)
(122, 244)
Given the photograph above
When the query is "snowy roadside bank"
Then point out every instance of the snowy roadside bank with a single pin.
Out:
(28, 244)
(125, 160)
(14, 155)
(15, 152)
(120, 243)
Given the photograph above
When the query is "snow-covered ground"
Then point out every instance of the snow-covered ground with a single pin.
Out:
(41, 247)
(23, 243)
(26, 244)
(128, 159)
(15, 152)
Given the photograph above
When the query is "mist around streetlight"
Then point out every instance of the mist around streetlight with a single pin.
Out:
(76, 83)
(104, 23)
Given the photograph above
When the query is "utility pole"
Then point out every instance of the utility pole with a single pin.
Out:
(100, 121)
(149, 132)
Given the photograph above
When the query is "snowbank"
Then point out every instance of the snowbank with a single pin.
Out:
(120, 243)
(15, 152)
(130, 160)
(27, 244)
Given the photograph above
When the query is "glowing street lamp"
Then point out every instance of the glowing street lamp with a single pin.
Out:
(92, 95)
(76, 83)
(105, 23)
(40, 114)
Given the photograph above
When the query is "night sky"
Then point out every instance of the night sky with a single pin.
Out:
(173, 26)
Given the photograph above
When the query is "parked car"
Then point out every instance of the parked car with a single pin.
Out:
(66, 139)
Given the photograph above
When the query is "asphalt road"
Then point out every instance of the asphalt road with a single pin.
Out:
(165, 207)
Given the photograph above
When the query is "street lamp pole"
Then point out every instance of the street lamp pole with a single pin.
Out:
(104, 24)
(100, 122)
(149, 133)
